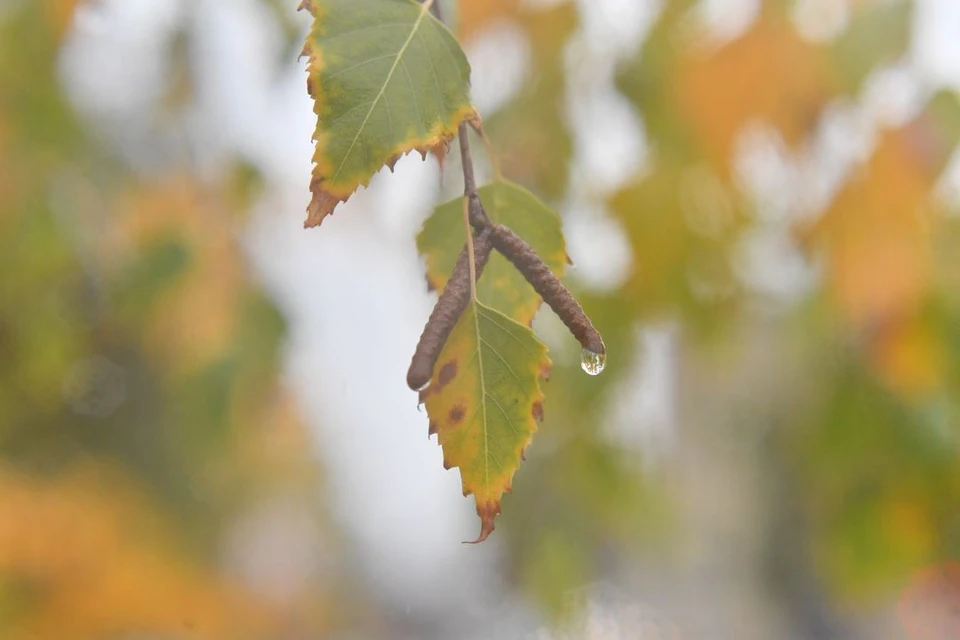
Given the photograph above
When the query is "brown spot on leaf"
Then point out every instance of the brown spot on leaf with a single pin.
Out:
(447, 373)
(487, 512)
(538, 411)
(456, 414)
(523, 453)
(545, 371)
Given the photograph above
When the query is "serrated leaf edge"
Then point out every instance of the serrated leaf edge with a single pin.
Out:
(325, 196)
(489, 509)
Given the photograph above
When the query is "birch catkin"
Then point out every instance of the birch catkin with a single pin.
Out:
(450, 306)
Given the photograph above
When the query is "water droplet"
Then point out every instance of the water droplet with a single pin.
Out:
(592, 363)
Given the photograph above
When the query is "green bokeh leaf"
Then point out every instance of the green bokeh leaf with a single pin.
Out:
(387, 78)
(502, 287)
(879, 32)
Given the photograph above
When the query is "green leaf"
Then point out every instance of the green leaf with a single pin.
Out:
(502, 287)
(878, 34)
(484, 401)
(387, 78)
(532, 131)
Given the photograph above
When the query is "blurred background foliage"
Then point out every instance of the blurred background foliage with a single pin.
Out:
(808, 487)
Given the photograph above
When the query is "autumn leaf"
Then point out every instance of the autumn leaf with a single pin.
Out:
(484, 401)
(875, 238)
(474, 15)
(387, 78)
(770, 73)
(908, 355)
(60, 14)
(92, 522)
(502, 287)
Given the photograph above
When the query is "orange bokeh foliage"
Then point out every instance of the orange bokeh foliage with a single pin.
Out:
(876, 241)
(193, 321)
(274, 447)
(909, 357)
(769, 73)
(476, 14)
(59, 14)
(103, 562)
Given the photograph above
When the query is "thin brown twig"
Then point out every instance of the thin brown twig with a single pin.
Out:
(478, 217)
(469, 180)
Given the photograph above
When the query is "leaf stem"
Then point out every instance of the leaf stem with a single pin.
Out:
(469, 181)
(471, 201)
(470, 249)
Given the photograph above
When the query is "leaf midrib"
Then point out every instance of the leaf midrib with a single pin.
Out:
(424, 9)
(483, 395)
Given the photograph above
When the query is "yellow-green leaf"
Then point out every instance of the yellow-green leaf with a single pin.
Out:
(502, 287)
(387, 78)
(484, 401)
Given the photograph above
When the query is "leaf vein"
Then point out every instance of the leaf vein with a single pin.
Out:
(403, 49)
(483, 395)
(505, 416)
(490, 318)
(503, 360)
(413, 94)
(354, 67)
(370, 27)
